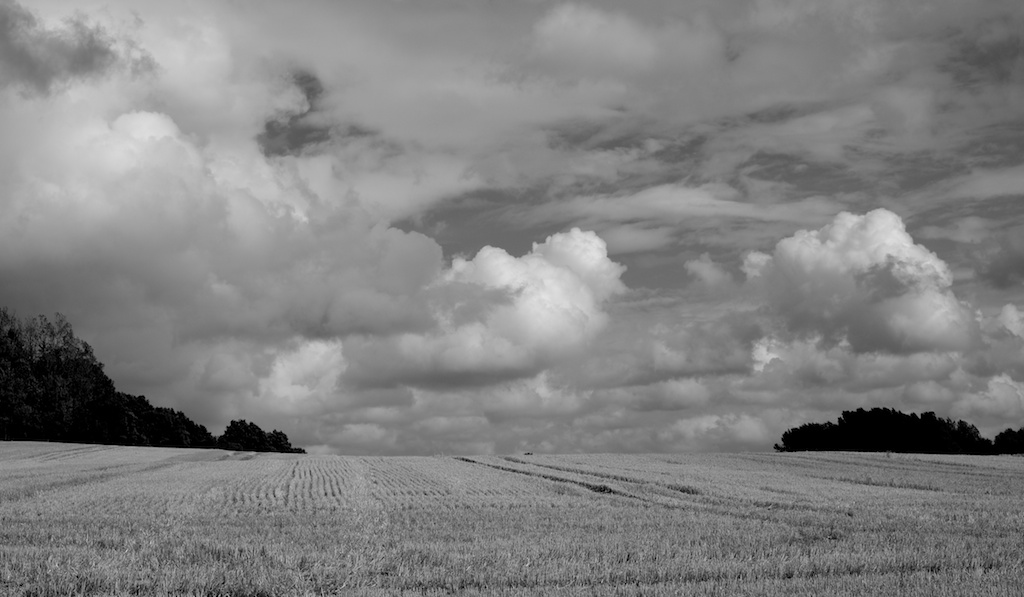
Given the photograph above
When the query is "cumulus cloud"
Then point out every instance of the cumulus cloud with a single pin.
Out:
(864, 279)
(204, 272)
(205, 247)
(535, 309)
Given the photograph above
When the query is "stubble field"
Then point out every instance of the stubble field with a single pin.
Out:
(97, 520)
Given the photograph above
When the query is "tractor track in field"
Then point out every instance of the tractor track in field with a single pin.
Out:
(686, 489)
(599, 488)
(595, 487)
(672, 498)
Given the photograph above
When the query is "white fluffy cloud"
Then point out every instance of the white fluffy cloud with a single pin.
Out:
(863, 279)
(503, 316)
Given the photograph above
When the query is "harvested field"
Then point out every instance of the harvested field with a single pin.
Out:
(97, 520)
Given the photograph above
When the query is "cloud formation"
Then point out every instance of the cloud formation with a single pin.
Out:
(863, 279)
(502, 316)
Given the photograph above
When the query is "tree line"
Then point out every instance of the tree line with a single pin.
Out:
(889, 430)
(53, 388)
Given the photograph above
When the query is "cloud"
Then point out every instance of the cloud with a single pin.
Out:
(502, 316)
(215, 234)
(986, 183)
(729, 432)
(298, 130)
(708, 272)
(1003, 347)
(968, 230)
(648, 344)
(1002, 258)
(308, 372)
(674, 204)
(537, 398)
(590, 39)
(1001, 402)
(806, 364)
(195, 267)
(40, 58)
(631, 239)
(1012, 319)
(672, 395)
(863, 279)
(929, 395)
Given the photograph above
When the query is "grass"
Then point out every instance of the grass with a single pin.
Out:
(90, 520)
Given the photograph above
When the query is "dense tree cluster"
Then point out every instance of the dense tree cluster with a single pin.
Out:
(1009, 442)
(53, 388)
(888, 430)
(243, 435)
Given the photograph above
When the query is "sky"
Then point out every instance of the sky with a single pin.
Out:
(471, 226)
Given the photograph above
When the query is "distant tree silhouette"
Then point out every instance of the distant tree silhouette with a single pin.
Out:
(241, 435)
(53, 388)
(888, 430)
(1010, 441)
(279, 443)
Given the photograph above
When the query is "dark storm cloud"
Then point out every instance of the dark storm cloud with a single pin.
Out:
(39, 58)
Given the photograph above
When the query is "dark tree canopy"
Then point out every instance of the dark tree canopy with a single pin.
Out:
(1010, 442)
(53, 388)
(242, 435)
(888, 430)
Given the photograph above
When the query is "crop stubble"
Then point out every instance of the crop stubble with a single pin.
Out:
(84, 520)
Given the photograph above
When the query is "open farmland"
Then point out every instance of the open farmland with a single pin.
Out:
(96, 520)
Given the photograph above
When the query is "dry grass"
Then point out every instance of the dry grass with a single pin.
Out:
(89, 520)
